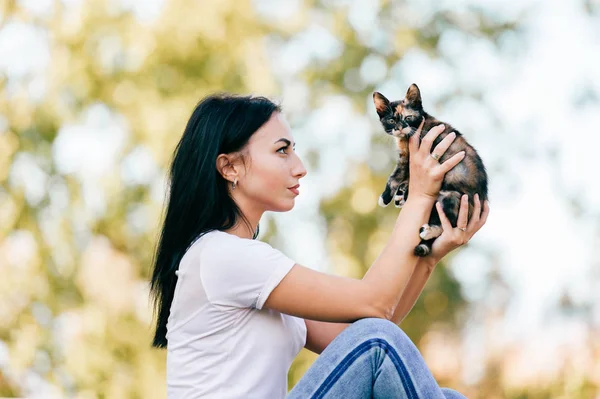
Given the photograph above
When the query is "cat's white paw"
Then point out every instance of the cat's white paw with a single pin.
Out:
(399, 201)
(381, 203)
(427, 232)
(424, 232)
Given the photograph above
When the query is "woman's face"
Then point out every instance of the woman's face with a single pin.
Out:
(270, 181)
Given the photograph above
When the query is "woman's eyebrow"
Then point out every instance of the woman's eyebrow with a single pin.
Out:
(285, 141)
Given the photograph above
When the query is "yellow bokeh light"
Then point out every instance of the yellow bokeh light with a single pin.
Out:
(363, 200)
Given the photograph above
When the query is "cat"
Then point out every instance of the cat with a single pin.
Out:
(401, 120)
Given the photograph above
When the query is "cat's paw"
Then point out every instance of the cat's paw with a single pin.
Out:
(399, 200)
(422, 250)
(427, 232)
(382, 202)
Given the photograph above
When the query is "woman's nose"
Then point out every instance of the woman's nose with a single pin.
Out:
(299, 169)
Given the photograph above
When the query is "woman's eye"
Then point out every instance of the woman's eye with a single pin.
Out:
(391, 120)
(282, 149)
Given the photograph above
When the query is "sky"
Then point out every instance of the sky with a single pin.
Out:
(541, 84)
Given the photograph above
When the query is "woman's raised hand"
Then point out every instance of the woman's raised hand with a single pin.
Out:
(454, 237)
(426, 173)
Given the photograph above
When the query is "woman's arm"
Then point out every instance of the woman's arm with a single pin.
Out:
(310, 294)
(314, 295)
(450, 239)
(419, 278)
(392, 271)
(319, 334)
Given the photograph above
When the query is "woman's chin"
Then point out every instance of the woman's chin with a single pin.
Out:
(284, 206)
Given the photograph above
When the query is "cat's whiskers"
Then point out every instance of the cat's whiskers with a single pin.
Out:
(412, 131)
(401, 133)
(397, 133)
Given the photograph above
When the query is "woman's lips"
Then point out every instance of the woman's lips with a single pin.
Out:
(295, 189)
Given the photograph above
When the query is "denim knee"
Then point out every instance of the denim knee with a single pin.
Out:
(379, 328)
(452, 394)
(376, 323)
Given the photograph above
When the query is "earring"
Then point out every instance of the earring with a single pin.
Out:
(233, 184)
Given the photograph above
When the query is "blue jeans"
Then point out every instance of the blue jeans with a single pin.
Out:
(372, 358)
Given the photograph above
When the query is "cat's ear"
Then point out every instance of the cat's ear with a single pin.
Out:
(413, 96)
(382, 104)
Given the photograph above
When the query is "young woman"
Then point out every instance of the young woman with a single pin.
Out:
(233, 312)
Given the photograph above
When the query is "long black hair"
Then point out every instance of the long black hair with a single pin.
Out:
(198, 199)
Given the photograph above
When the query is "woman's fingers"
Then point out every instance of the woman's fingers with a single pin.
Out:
(446, 225)
(430, 137)
(452, 237)
(443, 145)
(484, 215)
(452, 162)
(463, 213)
(475, 217)
(413, 141)
(476, 226)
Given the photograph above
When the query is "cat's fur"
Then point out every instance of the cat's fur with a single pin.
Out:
(401, 119)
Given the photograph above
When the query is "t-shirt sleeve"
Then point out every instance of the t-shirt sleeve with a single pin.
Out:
(241, 273)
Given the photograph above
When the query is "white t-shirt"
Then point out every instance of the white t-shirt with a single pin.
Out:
(221, 342)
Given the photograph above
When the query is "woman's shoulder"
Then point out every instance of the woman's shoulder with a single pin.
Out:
(213, 237)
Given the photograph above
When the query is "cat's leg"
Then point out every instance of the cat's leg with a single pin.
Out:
(397, 176)
(428, 231)
(400, 197)
(433, 228)
(450, 201)
(424, 248)
(386, 196)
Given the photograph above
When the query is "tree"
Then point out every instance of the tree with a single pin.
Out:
(76, 239)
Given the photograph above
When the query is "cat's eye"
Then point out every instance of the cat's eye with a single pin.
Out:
(410, 118)
(391, 120)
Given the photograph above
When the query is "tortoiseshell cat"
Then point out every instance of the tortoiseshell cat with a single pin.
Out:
(401, 120)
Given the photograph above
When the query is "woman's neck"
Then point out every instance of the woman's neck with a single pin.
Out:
(242, 229)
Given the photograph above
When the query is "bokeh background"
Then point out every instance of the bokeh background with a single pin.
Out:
(95, 94)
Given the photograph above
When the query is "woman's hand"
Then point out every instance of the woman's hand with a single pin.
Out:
(454, 237)
(426, 173)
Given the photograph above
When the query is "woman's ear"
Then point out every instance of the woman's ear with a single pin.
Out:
(226, 167)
